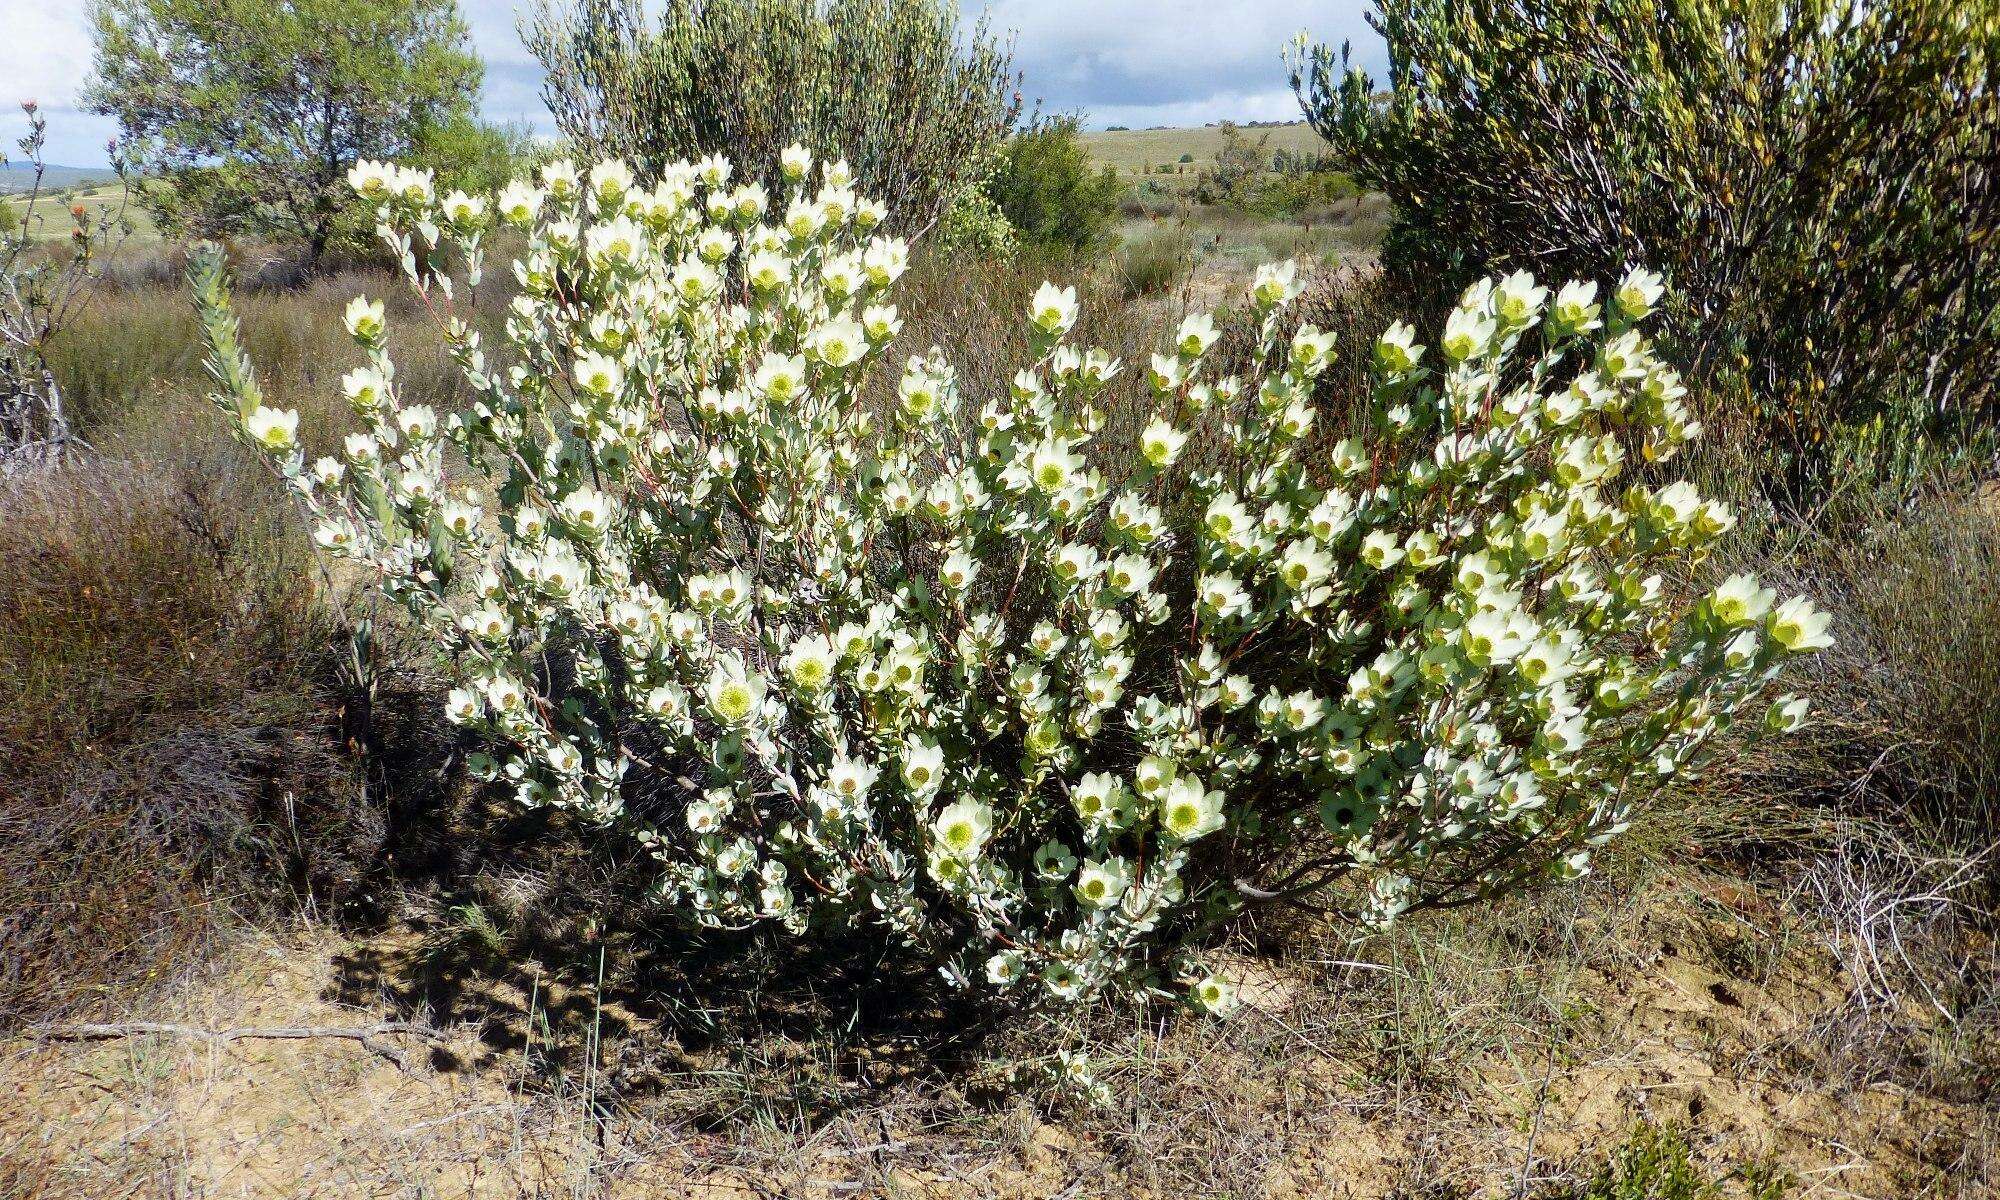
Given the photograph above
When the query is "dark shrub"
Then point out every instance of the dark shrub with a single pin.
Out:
(1816, 178)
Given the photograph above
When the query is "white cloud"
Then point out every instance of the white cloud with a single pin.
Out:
(1121, 62)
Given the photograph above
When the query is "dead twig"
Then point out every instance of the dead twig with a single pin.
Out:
(367, 1035)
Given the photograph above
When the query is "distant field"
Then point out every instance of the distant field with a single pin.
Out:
(1131, 151)
(19, 176)
(52, 217)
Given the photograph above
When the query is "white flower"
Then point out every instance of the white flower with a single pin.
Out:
(560, 178)
(587, 510)
(1517, 298)
(1102, 882)
(885, 260)
(364, 318)
(734, 692)
(1396, 350)
(328, 470)
(1052, 467)
(1197, 334)
(275, 429)
(1276, 284)
(780, 378)
(365, 388)
(1004, 969)
(1799, 627)
(462, 706)
(1053, 310)
(923, 767)
(1312, 348)
(1787, 713)
(610, 180)
(1740, 600)
(795, 162)
(1214, 995)
(838, 344)
(810, 663)
(1161, 443)
(767, 270)
(462, 209)
(519, 202)
(1576, 308)
(962, 828)
(372, 180)
(418, 422)
(1466, 334)
(598, 374)
(1189, 811)
(1638, 293)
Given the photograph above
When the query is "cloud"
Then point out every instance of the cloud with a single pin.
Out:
(1120, 62)
(1164, 62)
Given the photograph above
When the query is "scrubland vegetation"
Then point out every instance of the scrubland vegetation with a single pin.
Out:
(312, 884)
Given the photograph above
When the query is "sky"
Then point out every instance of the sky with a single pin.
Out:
(1119, 62)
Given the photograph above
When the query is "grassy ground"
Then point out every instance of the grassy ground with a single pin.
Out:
(1531, 1051)
(1146, 151)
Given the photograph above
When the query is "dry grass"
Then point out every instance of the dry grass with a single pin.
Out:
(1494, 1054)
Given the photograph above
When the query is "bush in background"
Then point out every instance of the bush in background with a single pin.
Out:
(1239, 165)
(1053, 710)
(974, 224)
(1815, 177)
(914, 101)
(1048, 189)
(243, 116)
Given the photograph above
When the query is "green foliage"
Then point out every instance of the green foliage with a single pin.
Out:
(1292, 194)
(1815, 177)
(476, 156)
(1049, 190)
(245, 115)
(973, 224)
(1656, 1163)
(914, 102)
(10, 217)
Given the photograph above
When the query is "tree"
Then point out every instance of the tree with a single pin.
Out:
(1816, 178)
(911, 100)
(245, 115)
(1048, 189)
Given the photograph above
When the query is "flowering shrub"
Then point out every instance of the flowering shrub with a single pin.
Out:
(1049, 710)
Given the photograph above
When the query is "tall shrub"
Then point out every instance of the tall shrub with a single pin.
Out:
(1818, 179)
(1050, 191)
(913, 100)
(1044, 703)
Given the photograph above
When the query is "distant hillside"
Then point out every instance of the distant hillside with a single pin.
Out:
(16, 177)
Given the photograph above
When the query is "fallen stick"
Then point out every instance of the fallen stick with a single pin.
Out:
(367, 1035)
